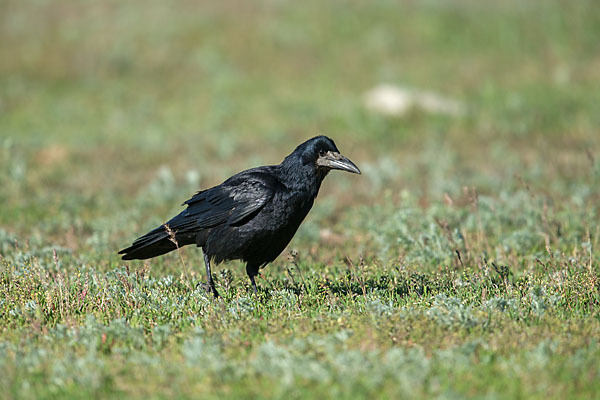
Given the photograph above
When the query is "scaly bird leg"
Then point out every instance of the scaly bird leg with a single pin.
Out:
(209, 280)
(253, 284)
(252, 271)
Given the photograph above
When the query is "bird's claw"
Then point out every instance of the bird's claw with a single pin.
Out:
(208, 288)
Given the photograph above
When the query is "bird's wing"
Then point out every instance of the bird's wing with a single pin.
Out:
(231, 202)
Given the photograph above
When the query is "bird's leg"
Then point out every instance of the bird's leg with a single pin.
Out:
(252, 271)
(209, 279)
(253, 284)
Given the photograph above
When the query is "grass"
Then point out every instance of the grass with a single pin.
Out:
(463, 262)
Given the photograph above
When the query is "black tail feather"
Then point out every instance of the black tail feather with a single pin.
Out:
(148, 251)
(152, 244)
(161, 240)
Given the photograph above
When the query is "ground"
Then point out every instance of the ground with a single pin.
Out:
(463, 262)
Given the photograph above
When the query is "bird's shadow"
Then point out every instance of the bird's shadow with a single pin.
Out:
(349, 285)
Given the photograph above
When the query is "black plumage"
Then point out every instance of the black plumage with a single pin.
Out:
(252, 216)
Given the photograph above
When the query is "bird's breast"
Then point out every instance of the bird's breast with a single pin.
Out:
(262, 238)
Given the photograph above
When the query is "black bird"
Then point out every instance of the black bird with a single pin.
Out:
(251, 216)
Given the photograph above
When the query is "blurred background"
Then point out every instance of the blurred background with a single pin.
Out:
(112, 113)
(462, 262)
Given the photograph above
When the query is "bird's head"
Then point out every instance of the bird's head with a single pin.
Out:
(322, 152)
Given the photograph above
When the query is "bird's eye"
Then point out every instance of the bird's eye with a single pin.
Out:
(322, 153)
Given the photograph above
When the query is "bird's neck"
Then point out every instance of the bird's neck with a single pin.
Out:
(301, 178)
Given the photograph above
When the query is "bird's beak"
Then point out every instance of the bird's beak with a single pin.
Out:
(333, 160)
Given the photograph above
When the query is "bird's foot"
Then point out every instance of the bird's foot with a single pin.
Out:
(208, 288)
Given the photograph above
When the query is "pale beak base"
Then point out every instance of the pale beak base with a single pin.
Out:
(333, 160)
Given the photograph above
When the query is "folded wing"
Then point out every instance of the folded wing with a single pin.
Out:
(233, 202)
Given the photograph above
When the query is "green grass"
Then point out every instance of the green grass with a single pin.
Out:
(463, 262)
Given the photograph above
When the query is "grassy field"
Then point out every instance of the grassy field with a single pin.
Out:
(464, 261)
